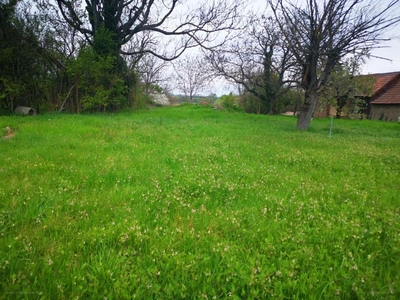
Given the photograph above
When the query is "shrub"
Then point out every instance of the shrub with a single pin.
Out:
(98, 84)
(228, 102)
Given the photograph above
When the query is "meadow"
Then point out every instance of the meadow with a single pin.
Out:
(189, 202)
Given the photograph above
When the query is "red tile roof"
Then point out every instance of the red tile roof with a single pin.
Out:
(386, 88)
(382, 79)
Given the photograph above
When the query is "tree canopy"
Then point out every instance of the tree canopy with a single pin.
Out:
(128, 20)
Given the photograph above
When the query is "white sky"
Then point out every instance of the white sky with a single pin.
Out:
(391, 52)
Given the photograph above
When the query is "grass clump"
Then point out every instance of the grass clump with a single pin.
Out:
(188, 202)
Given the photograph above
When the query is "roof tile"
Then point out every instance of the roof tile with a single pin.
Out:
(386, 88)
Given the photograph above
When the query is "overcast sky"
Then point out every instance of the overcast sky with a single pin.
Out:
(392, 52)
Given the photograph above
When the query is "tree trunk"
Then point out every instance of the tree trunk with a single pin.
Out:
(341, 101)
(273, 109)
(267, 80)
(76, 96)
(12, 103)
(307, 110)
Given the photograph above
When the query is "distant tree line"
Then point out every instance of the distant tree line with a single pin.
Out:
(104, 55)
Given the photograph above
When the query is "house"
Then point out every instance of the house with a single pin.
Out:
(382, 104)
(385, 101)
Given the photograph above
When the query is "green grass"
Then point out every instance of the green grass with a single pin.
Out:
(193, 203)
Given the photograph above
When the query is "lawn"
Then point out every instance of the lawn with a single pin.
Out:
(189, 202)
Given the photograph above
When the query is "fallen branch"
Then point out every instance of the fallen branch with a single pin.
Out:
(63, 104)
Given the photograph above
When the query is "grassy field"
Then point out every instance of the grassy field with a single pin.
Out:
(192, 203)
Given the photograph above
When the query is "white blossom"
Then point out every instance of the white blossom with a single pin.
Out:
(160, 99)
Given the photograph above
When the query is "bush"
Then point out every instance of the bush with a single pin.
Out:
(228, 102)
(100, 86)
(251, 104)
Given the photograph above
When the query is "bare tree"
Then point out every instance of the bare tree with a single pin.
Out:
(150, 69)
(192, 75)
(125, 20)
(257, 60)
(322, 32)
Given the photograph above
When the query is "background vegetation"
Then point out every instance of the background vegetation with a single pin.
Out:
(62, 56)
(190, 202)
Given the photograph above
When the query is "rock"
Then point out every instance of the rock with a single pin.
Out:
(25, 111)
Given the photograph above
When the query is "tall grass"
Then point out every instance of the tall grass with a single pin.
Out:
(193, 203)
